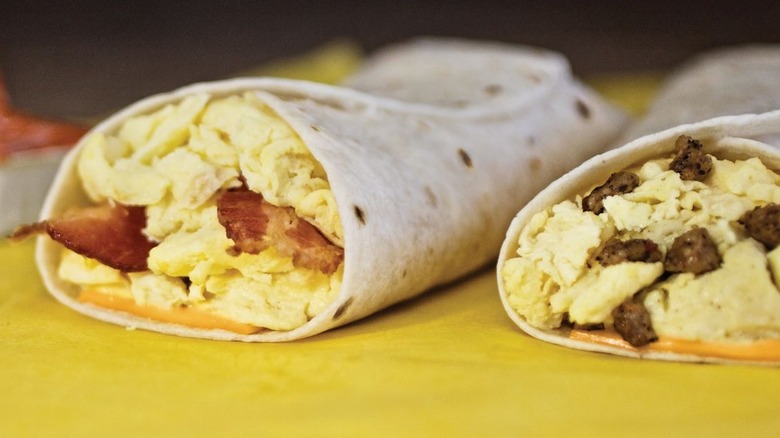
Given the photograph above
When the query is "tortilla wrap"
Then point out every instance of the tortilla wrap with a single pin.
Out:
(729, 137)
(720, 82)
(427, 163)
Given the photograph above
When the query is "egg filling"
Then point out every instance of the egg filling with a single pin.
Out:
(176, 162)
(669, 254)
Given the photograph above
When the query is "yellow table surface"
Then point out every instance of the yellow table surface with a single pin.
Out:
(449, 363)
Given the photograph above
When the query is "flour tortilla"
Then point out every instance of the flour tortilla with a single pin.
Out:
(679, 94)
(425, 183)
(720, 82)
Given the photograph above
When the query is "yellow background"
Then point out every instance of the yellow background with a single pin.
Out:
(449, 363)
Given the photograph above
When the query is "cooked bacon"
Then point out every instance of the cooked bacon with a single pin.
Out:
(109, 234)
(24, 231)
(254, 225)
(21, 132)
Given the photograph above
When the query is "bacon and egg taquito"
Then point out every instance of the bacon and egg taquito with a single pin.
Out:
(269, 209)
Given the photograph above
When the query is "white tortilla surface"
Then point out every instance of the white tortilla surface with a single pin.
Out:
(720, 82)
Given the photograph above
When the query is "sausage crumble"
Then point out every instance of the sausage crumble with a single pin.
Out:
(763, 224)
(693, 251)
(617, 184)
(632, 250)
(632, 321)
(690, 161)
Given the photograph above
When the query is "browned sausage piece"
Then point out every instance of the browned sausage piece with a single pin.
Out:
(693, 251)
(763, 224)
(633, 250)
(617, 184)
(691, 163)
(632, 321)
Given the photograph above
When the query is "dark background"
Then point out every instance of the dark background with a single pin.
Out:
(82, 58)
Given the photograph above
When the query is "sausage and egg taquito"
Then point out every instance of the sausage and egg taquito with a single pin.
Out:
(665, 248)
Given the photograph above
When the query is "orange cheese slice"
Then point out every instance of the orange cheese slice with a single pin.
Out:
(757, 351)
(186, 316)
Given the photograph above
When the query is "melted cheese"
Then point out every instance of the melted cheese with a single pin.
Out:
(187, 316)
(767, 350)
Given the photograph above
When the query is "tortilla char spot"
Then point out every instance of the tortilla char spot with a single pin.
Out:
(432, 199)
(533, 77)
(493, 89)
(394, 84)
(405, 273)
(465, 157)
(535, 164)
(531, 141)
(424, 124)
(315, 128)
(342, 308)
(583, 109)
(361, 217)
(335, 105)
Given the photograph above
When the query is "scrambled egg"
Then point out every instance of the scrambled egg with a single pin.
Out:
(174, 162)
(555, 276)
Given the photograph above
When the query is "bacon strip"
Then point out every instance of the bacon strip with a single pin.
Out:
(21, 132)
(254, 225)
(109, 234)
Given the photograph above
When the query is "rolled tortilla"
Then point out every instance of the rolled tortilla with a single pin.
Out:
(556, 281)
(427, 157)
(720, 82)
